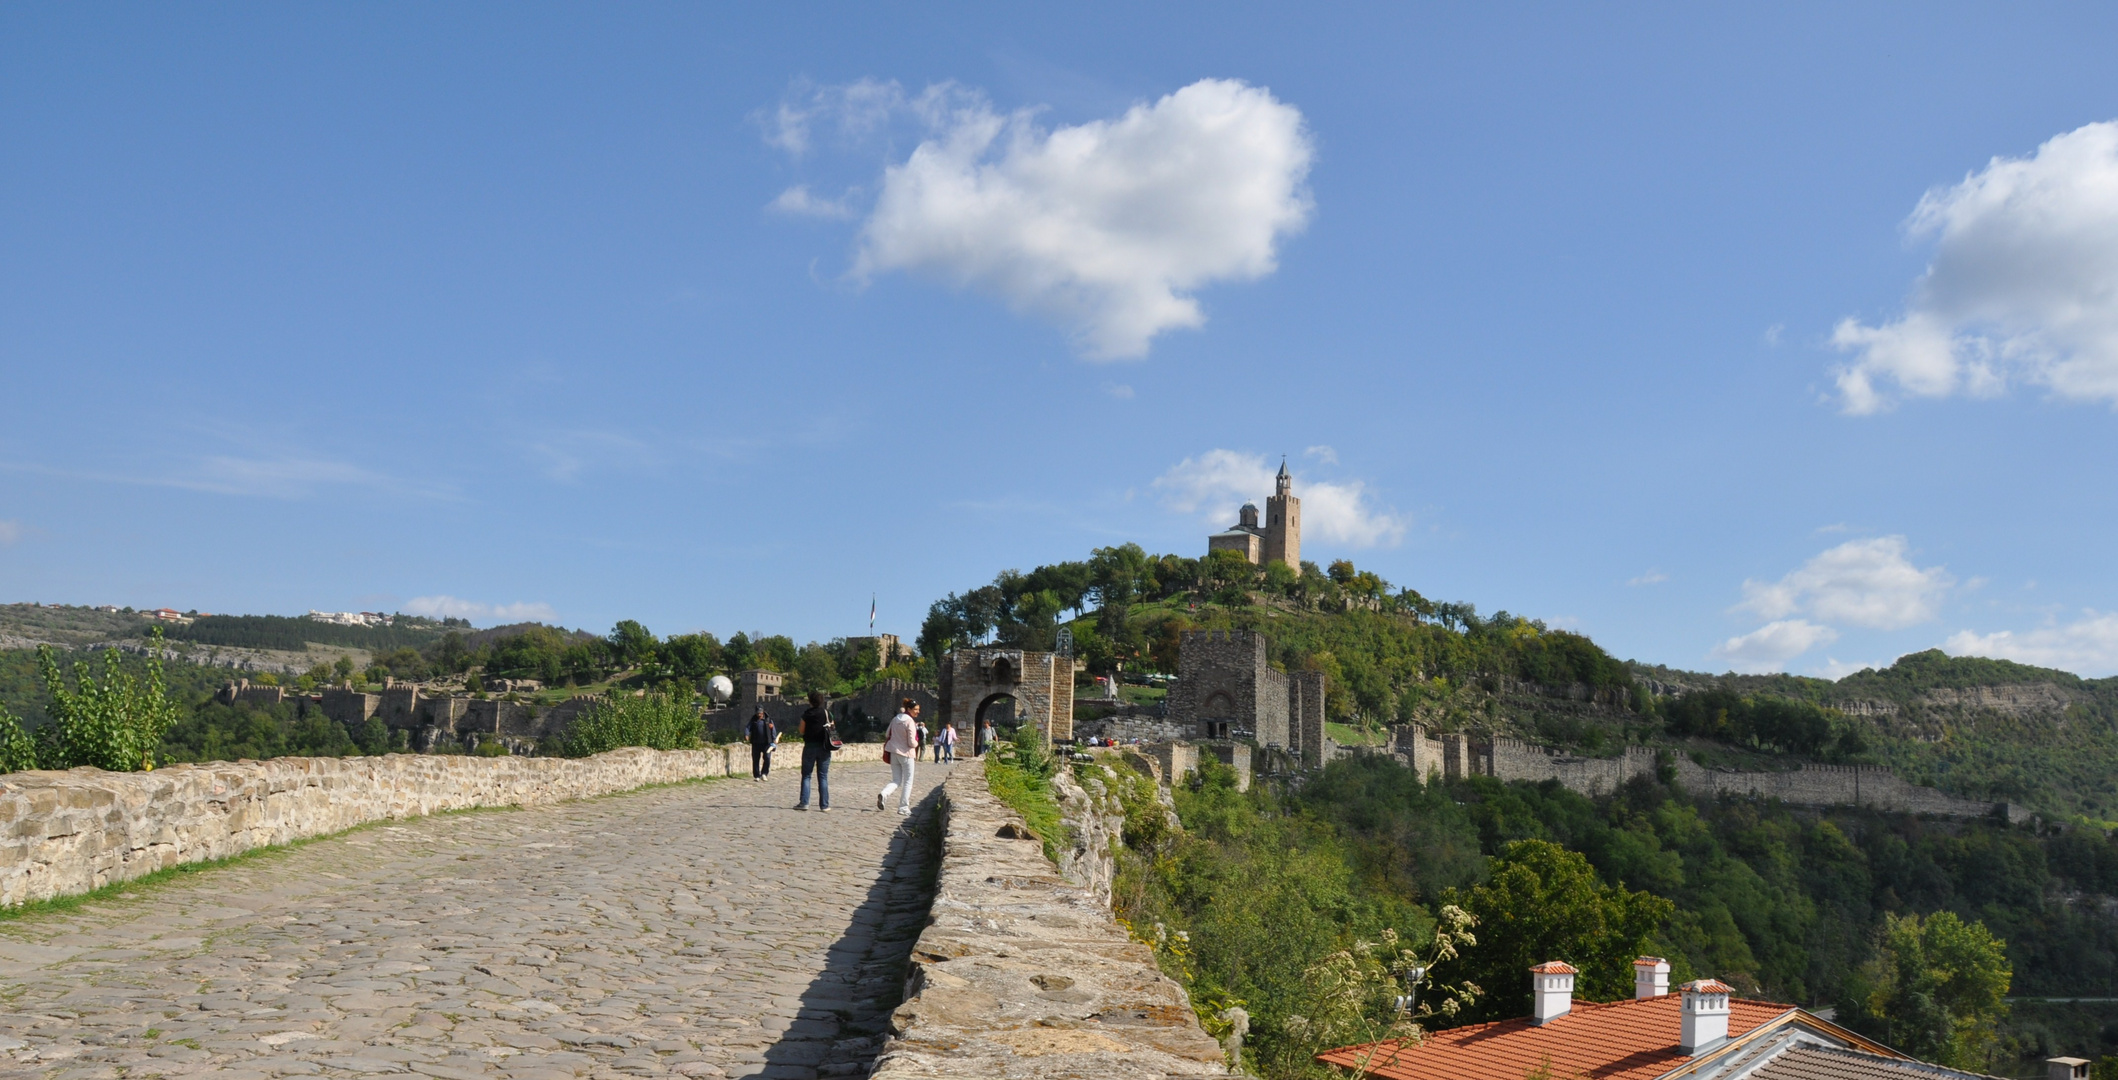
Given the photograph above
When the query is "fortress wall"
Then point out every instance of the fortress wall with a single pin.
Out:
(1024, 974)
(63, 833)
(1146, 727)
(1455, 756)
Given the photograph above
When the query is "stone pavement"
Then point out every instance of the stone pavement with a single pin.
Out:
(702, 930)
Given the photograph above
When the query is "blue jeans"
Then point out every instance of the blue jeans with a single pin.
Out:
(818, 760)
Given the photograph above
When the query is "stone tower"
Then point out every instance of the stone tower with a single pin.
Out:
(1283, 522)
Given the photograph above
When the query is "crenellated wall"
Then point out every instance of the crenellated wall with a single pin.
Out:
(1452, 756)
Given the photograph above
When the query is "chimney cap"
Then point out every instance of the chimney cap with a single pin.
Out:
(1650, 961)
(1707, 986)
(1554, 967)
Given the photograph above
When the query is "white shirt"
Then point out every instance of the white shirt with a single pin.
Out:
(904, 735)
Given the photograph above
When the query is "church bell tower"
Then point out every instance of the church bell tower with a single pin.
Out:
(1283, 522)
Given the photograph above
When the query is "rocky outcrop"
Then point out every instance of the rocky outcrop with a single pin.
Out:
(2019, 699)
(1022, 974)
(63, 833)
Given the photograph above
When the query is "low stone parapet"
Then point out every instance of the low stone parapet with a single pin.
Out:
(1021, 974)
(65, 833)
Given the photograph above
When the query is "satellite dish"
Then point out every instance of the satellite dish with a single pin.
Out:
(720, 689)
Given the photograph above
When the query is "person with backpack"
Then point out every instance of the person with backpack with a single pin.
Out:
(819, 739)
(898, 747)
(764, 735)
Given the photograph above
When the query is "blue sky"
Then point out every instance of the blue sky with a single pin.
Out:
(1776, 340)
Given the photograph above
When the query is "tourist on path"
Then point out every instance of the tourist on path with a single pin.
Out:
(985, 737)
(818, 735)
(764, 735)
(945, 744)
(899, 745)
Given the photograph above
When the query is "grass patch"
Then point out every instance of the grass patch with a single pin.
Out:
(1020, 775)
(1348, 735)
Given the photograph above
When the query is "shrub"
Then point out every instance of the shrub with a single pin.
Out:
(653, 721)
(113, 723)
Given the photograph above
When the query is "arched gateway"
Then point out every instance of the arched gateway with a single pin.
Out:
(1037, 687)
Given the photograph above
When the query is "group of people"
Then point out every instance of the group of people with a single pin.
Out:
(904, 744)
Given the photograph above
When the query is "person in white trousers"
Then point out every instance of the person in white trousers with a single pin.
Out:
(901, 743)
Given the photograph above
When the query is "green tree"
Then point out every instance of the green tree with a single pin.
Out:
(1935, 989)
(1542, 902)
(631, 644)
(114, 722)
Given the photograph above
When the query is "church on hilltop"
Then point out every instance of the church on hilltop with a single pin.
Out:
(1279, 539)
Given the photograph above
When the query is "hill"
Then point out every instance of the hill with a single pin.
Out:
(1984, 729)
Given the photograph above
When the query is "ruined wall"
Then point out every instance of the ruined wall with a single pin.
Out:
(1305, 718)
(1454, 756)
(1023, 974)
(1143, 725)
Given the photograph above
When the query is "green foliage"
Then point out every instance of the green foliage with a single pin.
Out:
(1263, 890)
(1542, 902)
(17, 750)
(216, 732)
(654, 721)
(1935, 989)
(113, 721)
(1024, 783)
(1770, 723)
(295, 634)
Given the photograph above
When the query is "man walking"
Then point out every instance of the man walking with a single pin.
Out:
(899, 745)
(764, 735)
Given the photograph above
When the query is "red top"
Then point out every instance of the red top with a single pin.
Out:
(1621, 1040)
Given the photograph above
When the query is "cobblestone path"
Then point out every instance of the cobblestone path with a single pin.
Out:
(702, 930)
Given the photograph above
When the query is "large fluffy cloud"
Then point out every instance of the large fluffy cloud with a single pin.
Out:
(1769, 647)
(2086, 646)
(448, 607)
(1860, 582)
(2023, 285)
(1108, 228)
(1216, 483)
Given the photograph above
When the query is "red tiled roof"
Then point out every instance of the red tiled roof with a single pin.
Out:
(1649, 961)
(1620, 1040)
(1554, 967)
(1708, 986)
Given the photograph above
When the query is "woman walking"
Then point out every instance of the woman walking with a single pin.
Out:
(945, 743)
(764, 735)
(819, 738)
(899, 746)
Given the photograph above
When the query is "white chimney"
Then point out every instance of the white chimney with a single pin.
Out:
(1650, 977)
(2066, 1068)
(1551, 991)
(1705, 1015)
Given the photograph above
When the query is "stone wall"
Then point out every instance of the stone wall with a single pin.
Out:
(1224, 676)
(1141, 724)
(1453, 756)
(1041, 684)
(1023, 974)
(63, 833)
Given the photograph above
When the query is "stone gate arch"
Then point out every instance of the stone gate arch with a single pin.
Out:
(1041, 684)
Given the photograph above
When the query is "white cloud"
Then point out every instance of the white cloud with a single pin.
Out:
(1836, 669)
(849, 110)
(2087, 646)
(1652, 577)
(1107, 228)
(798, 202)
(10, 531)
(1216, 483)
(449, 607)
(1769, 647)
(1324, 454)
(2023, 284)
(1862, 582)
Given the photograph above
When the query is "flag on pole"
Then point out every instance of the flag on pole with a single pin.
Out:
(871, 613)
